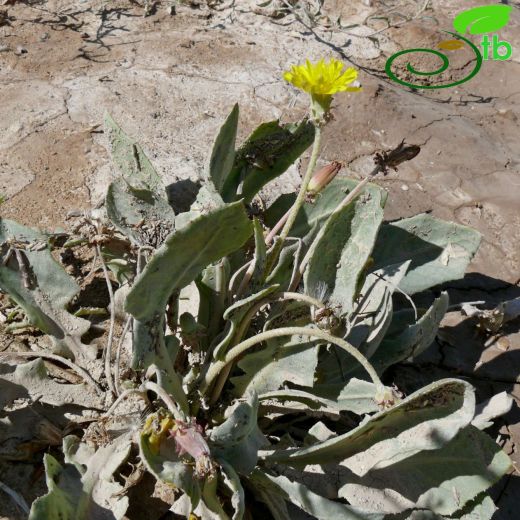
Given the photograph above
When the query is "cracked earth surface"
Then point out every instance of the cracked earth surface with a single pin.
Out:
(170, 81)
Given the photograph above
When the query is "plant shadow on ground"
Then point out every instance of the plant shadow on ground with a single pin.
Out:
(490, 363)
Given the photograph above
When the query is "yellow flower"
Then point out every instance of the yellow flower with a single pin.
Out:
(322, 79)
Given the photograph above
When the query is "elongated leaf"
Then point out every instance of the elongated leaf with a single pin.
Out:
(425, 420)
(232, 481)
(483, 19)
(442, 481)
(84, 492)
(411, 340)
(213, 290)
(309, 220)
(223, 153)
(341, 254)
(285, 359)
(308, 399)
(375, 304)
(267, 153)
(211, 500)
(483, 508)
(33, 378)
(128, 155)
(301, 496)
(313, 216)
(492, 408)
(183, 256)
(440, 251)
(405, 338)
(150, 348)
(42, 288)
(238, 439)
(287, 263)
(207, 199)
(357, 397)
(143, 216)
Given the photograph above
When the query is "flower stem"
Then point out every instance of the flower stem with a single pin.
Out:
(244, 325)
(239, 349)
(298, 203)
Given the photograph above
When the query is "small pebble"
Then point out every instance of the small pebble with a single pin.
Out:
(405, 187)
(20, 50)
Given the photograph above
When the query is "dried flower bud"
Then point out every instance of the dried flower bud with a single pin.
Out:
(189, 439)
(323, 177)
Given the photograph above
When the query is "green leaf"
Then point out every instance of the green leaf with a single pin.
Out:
(357, 397)
(343, 250)
(211, 500)
(213, 295)
(319, 507)
(238, 439)
(42, 288)
(307, 399)
(288, 260)
(482, 508)
(409, 341)
(496, 406)
(425, 420)
(207, 199)
(223, 153)
(312, 217)
(484, 19)
(287, 359)
(84, 489)
(440, 251)
(373, 314)
(375, 303)
(149, 348)
(184, 254)
(36, 383)
(267, 153)
(143, 216)
(232, 481)
(136, 168)
(442, 481)
(404, 338)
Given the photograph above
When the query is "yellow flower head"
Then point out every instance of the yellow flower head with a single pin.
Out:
(322, 79)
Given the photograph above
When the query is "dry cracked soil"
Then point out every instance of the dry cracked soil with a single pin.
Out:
(170, 79)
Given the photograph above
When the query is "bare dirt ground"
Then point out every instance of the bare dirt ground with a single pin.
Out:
(170, 80)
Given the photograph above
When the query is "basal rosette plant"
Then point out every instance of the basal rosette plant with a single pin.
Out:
(268, 399)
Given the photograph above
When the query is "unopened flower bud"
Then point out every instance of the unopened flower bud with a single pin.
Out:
(323, 177)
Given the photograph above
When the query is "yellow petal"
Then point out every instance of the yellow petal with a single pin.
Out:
(321, 78)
